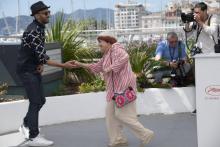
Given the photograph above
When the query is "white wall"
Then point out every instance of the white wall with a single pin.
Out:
(208, 99)
(92, 105)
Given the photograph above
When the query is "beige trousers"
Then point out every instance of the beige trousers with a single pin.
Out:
(116, 118)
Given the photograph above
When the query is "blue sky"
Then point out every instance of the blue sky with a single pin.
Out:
(9, 7)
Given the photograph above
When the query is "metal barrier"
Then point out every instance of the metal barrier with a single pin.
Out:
(123, 35)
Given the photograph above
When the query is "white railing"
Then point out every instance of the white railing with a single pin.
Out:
(136, 34)
(123, 35)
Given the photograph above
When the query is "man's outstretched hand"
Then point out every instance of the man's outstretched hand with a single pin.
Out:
(69, 65)
(75, 63)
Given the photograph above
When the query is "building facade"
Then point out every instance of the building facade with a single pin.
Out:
(214, 6)
(127, 15)
(152, 20)
(170, 17)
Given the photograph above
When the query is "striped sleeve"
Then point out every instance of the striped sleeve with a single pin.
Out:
(96, 67)
(119, 59)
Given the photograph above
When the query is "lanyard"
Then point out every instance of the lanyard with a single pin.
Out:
(199, 30)
(172, 54)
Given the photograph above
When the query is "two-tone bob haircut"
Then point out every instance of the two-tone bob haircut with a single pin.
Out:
(108, 37)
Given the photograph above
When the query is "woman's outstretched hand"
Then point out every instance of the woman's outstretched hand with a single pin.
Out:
(75, 63)
(79, 64)
(69, 65)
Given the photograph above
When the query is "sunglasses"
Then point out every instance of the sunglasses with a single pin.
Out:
(47, 13)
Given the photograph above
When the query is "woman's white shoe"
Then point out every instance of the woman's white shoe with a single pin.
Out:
(149, 137)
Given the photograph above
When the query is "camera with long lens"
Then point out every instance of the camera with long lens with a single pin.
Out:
(178, 75)
(180, 67)
(187, 17)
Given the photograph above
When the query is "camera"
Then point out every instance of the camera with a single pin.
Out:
(195, 50)
(173, 73)
(217, 47)
(178, 75)
(180, 67)
(187, 17)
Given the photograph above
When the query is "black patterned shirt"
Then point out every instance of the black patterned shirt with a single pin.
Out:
(32, 52)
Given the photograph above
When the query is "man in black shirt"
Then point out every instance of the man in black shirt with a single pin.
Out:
(31, 59)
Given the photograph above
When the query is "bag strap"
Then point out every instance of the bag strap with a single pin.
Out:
(218, 35)
(199, 30)
(213, 38)
(112, 73)
(209, 20)
(209, 23)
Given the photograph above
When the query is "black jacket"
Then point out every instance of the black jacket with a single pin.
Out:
(32, 52)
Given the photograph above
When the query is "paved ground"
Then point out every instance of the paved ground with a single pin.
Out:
(177, 130)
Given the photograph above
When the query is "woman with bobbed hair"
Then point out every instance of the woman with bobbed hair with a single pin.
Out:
(118, 76)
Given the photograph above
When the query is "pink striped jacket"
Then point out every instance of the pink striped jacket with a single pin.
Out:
(123, 75)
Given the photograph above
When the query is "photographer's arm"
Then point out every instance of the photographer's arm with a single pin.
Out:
(158, 58)
(213, 26)
(166, 63)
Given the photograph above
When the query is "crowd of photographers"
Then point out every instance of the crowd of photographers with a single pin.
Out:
(171, 53)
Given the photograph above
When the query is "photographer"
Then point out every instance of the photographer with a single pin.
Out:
(203, 27)
(171, 53)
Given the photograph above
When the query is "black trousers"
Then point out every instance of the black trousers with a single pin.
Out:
(32, 83)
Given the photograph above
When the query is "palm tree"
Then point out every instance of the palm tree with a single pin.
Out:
(67, 33)
(141, 57)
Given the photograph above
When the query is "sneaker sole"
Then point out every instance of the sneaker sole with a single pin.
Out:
(39, 145)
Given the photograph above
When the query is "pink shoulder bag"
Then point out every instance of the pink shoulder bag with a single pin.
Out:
(123, 98)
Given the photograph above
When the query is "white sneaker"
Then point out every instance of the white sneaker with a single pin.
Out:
(38, 141)
(25, 131)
